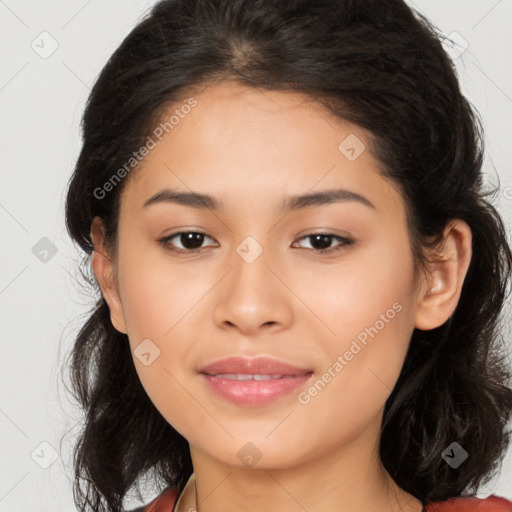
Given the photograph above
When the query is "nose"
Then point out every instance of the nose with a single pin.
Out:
(253, 296)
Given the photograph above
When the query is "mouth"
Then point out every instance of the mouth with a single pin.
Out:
(253, 382)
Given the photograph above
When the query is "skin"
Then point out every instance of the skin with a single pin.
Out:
(250, 149)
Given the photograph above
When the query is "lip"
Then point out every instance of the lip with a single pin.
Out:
(254, 366)
(253, 392)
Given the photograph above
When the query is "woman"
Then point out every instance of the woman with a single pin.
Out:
(300, 277)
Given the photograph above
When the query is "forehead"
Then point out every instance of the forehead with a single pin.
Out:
(241, 141)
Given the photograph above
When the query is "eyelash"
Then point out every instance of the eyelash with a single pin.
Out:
(345, 242)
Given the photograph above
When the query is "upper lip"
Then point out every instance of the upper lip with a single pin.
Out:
(253, 366)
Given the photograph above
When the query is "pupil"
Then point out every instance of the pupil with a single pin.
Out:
(192, 240)
(325, 238)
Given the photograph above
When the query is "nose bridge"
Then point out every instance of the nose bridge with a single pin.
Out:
(251, 261)
(252, 296)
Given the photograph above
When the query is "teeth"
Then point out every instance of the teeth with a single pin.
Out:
(247, 376)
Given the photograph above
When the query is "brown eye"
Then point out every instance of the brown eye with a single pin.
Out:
(191, 241)
(321, 242)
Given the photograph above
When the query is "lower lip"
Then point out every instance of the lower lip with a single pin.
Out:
(254, 392)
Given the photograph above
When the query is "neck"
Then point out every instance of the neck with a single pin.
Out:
(348, 478)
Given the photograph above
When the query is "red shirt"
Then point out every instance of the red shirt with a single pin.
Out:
(490, 504)
(165, 503)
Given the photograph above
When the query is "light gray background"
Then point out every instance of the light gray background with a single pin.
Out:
(41, 101)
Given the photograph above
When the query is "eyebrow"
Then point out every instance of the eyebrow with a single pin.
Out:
(204, 201)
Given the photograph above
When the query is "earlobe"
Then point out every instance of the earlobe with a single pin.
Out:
(103, 269)
(446, 276)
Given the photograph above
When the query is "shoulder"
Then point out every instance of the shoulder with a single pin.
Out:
(162, 503)
(490, 504)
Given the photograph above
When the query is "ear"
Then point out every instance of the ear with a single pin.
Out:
(440, 292)
(104, 270)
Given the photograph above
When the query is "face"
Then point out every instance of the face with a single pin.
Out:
(326, 286)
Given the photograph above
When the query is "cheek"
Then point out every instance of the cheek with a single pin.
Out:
(368, 305)
(158, 303)
(156, 313)
(372, 285)
(158, 295)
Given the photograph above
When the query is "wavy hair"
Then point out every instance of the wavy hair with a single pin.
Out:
(382, 66)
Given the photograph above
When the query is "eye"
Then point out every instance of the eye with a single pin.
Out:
(322, 242)
(191, 241)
